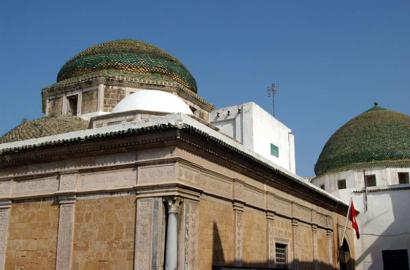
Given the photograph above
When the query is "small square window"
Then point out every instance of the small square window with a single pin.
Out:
(274, 150)
(322, 187)
(370, 180)
(281, 255)
(341, 184)
(403, 177)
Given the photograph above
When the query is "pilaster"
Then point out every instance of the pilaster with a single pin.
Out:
(295, 250)
(4, 222)
(315, 248)
(100, 98)
(238, 208)
(149, 234)
(65, 232)
(188, 235)
(270, 225)
(329, 235)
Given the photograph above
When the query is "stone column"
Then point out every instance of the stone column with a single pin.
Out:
(65, 232)
(188, 236)
(329, 234)
(295, 250)
(238, 210)
(270, 218)
(4, 222)
(149, 234)
(315, 248)
(171, 250)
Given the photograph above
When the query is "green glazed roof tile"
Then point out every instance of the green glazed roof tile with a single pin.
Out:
(377, 137)
(44, 126)
(131, 56)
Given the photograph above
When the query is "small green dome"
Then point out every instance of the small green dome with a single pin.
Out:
(44, 126)
(128, 56)
(377, 137)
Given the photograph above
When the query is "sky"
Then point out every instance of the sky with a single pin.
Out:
(331, 59)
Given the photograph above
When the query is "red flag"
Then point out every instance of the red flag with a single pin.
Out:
(352, 218)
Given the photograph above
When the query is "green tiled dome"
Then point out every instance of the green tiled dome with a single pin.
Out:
(375, 137)
(44, 126)
(129, 56)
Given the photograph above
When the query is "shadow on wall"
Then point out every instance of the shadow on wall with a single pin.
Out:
(393, 239)
(219, 262)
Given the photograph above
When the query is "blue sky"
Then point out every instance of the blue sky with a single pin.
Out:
(332, 59)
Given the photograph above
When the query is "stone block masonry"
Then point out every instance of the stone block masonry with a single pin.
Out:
(112, 96)
(32, 237)
(104, 233)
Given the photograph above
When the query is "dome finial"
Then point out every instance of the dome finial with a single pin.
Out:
(376, 104)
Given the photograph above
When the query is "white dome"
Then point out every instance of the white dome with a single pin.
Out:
(153, 101)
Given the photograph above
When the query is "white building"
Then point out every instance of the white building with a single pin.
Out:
(368, 160)
(259, 131)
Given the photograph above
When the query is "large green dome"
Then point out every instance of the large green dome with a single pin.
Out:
(128, 56)
(375, 137)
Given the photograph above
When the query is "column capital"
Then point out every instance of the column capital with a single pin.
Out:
(67, 199)
(295, 222)
(173, 204)
(329, 232)
(5, 204)
(238, 206)
(314, 227)
(270, 215)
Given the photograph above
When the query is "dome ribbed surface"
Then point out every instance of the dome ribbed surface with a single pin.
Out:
(375, 137)
(129, 56)
(44, 126)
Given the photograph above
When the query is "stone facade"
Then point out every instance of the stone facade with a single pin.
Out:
(112, 204)
(32, 235)
(104, 233)
(89, 101)
(112, 95)
(55, 106)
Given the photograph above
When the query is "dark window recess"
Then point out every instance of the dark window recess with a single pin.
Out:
(395, 259)
(370, 180)
(72, 105)
(281, 256)
(403, 177)
(341, 184)
(322, 187)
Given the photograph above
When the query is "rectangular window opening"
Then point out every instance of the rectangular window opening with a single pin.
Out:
(341, 184)
(403, 177)
(274, 150)
(322, 187)
(395, 259)
(72, 103)
(370, 180)
(281, 255)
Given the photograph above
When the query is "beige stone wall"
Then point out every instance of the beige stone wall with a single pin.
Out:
(112, 96)
(55, 106)
(216, 240)
(104, 233)
(89, 101)
(323, 248)
(32, 239)
(254, 237)
(304, 244)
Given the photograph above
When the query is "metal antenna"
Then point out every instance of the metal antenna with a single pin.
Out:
(272, 91)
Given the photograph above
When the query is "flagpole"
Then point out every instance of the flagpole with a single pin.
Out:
(347, 220)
